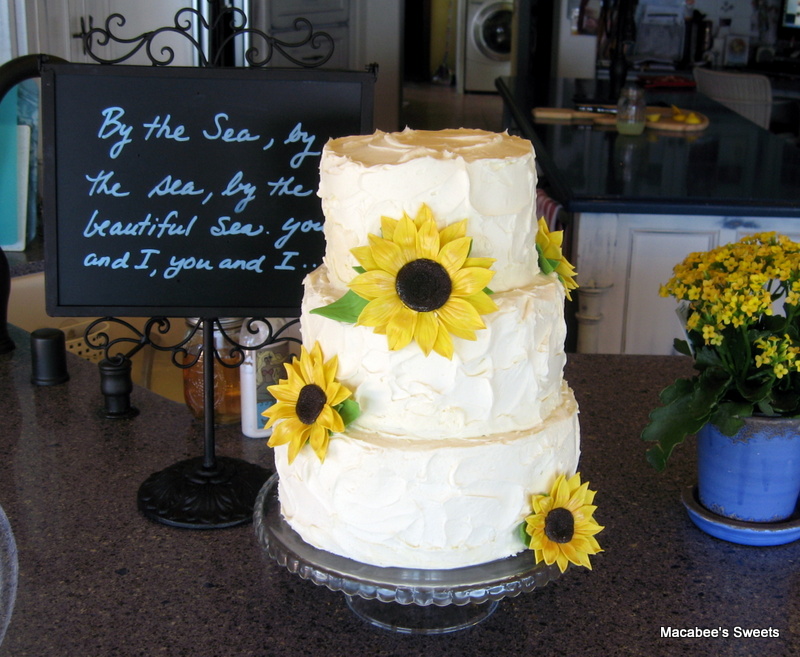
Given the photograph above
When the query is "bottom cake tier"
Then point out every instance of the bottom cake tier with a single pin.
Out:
(426, 504)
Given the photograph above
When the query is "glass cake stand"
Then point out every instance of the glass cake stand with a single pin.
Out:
(399, 599)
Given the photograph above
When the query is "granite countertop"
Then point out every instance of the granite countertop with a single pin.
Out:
(97, 578)
(732, 168)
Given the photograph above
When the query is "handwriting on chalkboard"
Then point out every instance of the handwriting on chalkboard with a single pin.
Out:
(119, 133)
(188, 191)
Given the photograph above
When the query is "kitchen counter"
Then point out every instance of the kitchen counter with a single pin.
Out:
(732, 168)
(98, 579)
(638, 205)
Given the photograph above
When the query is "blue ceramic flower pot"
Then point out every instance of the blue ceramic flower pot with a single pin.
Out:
(753, 476)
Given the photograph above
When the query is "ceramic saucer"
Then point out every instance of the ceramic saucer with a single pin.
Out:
(737, 531)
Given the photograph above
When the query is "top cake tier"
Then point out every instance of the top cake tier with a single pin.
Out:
(484, 177)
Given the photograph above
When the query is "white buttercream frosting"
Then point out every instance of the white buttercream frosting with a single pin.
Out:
(508, 379)
(484, 177)
(429, 504)
(438, 470)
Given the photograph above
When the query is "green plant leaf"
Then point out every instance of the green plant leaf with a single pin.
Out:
(687, 406)
(728, 416)
(682, 347)
(347, 309)
(349, 410)
(707, 357)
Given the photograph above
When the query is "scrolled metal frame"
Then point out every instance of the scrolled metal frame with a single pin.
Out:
(232, 356)
(233, 19)
(206, 491)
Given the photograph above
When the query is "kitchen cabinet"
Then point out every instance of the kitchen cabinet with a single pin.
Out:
(624, 258)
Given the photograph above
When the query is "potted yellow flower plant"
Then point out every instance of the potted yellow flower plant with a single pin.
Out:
(741, 304)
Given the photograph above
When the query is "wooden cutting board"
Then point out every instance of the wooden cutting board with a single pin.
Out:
(670, 119)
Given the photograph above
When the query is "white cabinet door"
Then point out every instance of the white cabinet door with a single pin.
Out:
(622, 260)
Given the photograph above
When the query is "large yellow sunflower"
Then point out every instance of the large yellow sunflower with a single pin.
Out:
(562, 527)
(421, 284)
(306, 401)
(551, 257)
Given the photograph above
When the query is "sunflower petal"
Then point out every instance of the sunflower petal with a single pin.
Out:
(400, 328)
(427, 245)
(364, 256)
(319, 439)
(373, 284)
(337, 393)
(444, 344)
(453, 231)
(378, 312)
(460, 318)
(387, 227)
(482, 302)
(471, 281)
(453, 255)
(284, 393)
(298, 441)
(426, 331)
(423, 214)
(280, 411)
(388, 255)
(486, 263)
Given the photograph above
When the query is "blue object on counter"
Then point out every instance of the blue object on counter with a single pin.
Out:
(8, 168)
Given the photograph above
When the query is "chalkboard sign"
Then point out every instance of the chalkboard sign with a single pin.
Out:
(188, 191)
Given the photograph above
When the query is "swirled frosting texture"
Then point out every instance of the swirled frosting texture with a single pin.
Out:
(487, 178)
(432, 504)
(509, 379)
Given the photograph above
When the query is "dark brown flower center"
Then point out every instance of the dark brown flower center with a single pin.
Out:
(423, 285)
(559, 526)
(310, 403)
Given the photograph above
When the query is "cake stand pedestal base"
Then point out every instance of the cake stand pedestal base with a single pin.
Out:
(404, 600)
(413, 619)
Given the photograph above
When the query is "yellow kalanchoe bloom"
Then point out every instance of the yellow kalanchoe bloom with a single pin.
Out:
(562, 527)
(736, 284)
(304, 410)
(421, 284)
(549, 246)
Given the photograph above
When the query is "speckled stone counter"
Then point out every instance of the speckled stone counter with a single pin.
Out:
(97, 578)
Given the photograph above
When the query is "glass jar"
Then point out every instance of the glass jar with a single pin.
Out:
(227, 397)
(631, 110)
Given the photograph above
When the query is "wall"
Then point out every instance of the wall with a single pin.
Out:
(443, 34)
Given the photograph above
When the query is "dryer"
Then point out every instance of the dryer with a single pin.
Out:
(487, 43)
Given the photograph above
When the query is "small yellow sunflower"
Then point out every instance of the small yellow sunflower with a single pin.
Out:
(562, 527)
(551, 258)
(421, 284)
(306, 401)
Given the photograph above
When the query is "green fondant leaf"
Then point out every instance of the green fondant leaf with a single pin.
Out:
(347, 309)
(546, 266)
(349, 410)
(360, 270)
(523, 535)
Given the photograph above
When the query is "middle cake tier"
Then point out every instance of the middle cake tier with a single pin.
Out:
(508, 379)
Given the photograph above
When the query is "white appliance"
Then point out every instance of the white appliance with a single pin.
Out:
(487, 43)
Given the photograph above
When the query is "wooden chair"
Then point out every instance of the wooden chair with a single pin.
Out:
(745, 93)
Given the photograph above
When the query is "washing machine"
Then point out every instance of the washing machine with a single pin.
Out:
(487, 43)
